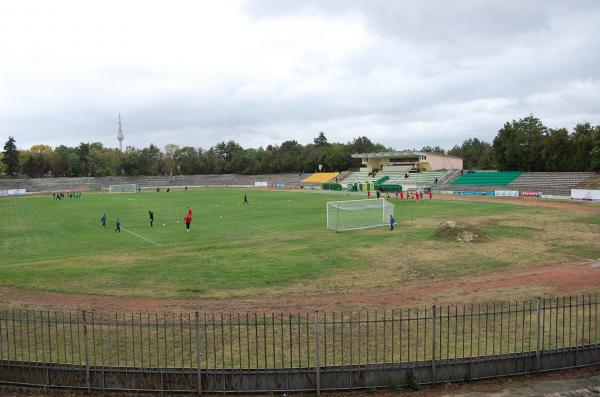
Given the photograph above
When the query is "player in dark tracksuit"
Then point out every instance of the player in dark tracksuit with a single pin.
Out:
(151, 214)
(103, 219)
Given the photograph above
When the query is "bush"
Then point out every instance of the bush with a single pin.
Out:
(412, 382)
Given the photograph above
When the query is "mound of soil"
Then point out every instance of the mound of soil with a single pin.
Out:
(461, 232)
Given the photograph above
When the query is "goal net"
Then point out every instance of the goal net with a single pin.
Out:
(358, 214)
(123, 188)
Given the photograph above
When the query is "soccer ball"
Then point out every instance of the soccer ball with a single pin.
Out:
(220, 216)
(177, 221)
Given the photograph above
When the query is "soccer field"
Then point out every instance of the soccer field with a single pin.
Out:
(278, 242)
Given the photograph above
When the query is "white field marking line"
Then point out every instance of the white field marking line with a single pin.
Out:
(142, 237)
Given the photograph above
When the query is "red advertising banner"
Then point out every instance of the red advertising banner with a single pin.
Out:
(529, 194)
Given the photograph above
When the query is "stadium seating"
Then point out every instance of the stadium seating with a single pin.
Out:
(556, 183)
(487, 178)
(415, 180)
(85, 184)
(592, 183)
(549, 183)
(271, 179)
(321, 177)
(359, 176)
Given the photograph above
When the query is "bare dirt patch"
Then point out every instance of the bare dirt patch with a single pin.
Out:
(460, 232)
(567, 278)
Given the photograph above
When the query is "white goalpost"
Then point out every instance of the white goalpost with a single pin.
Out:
(358, 214)
(123, 188)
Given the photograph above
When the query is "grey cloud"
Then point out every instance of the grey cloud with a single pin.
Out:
(433, 72)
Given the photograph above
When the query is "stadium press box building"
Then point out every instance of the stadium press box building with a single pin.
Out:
(407, 161)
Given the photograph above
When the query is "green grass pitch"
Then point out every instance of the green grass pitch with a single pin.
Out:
(279, 239)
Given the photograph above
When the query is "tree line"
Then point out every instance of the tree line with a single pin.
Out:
(528, 145)
(523, 145)
(94, 159)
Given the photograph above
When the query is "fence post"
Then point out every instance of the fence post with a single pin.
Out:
(537, 336)
(433, 321)
(86, 353)
(198, 356)
(318, 353)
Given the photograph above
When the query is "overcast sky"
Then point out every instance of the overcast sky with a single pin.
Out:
(405, 74)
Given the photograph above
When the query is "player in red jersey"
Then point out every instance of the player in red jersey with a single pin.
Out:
(188, 221)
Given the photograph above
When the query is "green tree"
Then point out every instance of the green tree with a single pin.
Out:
(321, 140)
(10, 157)
(103, 161)
(150, 160)
(476, 154)
(66, 161)
(131, 161)
(583, 142)
(486, 159)
(519, 143)
(36, 162)
(312, 156)
(187, 160)
(84, 153)
(287, 156)
(170, 160)
(435, 149)
(595, 158)
(362, 144)
(337, 158)
(557, 154)
(595, 153)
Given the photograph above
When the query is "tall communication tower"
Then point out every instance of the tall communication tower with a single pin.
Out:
(120, 135)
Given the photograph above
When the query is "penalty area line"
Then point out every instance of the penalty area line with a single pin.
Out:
(142, 237)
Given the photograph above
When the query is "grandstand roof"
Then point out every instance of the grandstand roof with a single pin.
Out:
(406, 153)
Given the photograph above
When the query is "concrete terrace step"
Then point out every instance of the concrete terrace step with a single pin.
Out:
(85, 183)
(559, 183)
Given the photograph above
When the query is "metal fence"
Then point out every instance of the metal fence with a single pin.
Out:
(200, 352)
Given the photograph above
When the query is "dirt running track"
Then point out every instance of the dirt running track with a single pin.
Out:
(554, 280)
(575, 206)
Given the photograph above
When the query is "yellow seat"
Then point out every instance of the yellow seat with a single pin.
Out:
(321, 177)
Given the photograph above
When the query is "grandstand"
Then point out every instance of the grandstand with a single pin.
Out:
(407, 161)
(548, 183)
(592, 183)
(487, 178)
(357, 177)
(321, 177)
(555, 183)
(411, 170)
(408, 180)
(417, 180)
(87, 183)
